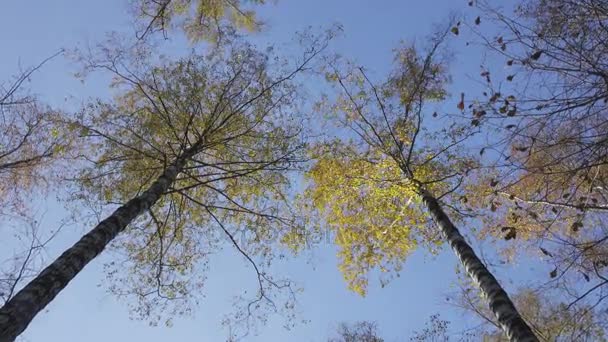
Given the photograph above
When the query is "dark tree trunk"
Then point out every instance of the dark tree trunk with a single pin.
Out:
(509, 319)
(20, 310)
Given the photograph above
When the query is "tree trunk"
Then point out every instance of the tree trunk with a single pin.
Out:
(20, 310)
(509, 319)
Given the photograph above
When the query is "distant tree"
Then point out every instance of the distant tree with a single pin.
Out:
(436, 330)
(358, 332)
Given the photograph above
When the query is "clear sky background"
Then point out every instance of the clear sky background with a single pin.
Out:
(35, 29)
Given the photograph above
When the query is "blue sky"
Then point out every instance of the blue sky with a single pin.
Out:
(35, 29)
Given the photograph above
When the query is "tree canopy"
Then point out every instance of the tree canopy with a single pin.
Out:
(231, 144)
(199, 19)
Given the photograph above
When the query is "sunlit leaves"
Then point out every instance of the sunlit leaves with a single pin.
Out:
(200, 19)
(369, 206)
(417, 77)
(365, 190)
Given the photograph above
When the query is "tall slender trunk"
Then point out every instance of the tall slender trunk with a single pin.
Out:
(20, 310)
(509, 319)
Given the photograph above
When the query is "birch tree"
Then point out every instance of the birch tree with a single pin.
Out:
(386, 187)
(545, 116)
(32, 144)
(184, 147)
(550, 318)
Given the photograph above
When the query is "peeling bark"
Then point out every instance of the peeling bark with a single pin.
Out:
(501, 305)
(20, 310)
